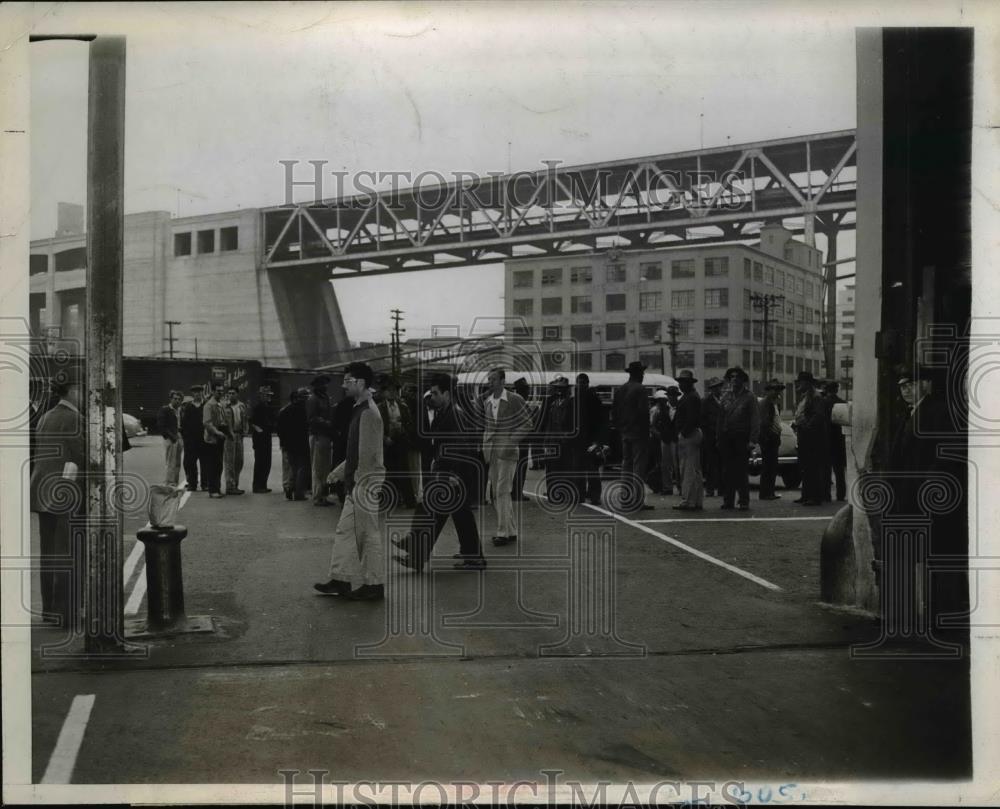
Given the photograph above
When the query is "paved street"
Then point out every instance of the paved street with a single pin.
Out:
(697, 649)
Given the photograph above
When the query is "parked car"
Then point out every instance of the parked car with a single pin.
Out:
(788, 459)
(133, 428)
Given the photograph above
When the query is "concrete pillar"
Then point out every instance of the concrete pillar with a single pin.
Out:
(309, 315)
(830, 330)
(53, 308)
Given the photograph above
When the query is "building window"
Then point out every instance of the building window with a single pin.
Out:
(614, 362)
(717, 267)
(615, 332)
(809, 289)
(758, 331)
(682, 299)
(580, 305)
(817, 316)
(746, 329)
(581, 334)
(524, 307)
(780, 279)
(747, 303)
(616, 272)
(649, 330)
(650, 301)
(747, 274)
(584, 361)
(716, 328)
(182, 244)
(652, 359)
(788, 252)
(758, 272)
(799, 286)
(800, 339)
(615, 303)
(717, 298)
(206, 241)
(779, 363)
(550, 333)
(39, 264)
(229, 239)
(757, 360)
(789, 364)
(746, 359)
(682, 268)
(769, 276)
(650, 271)
(551, 278)
(551, 306)
(524, 279)
(685, 359)
(682, 327)
(809, 315)
(717, 358)
(524, 334)
(581, 275)
(779, 336)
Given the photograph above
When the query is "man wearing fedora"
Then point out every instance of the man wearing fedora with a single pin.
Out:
(589, 446)
(559, 428)
(770, 438)
(631, 414)
(838, 446)
(687, 422)
(738, 432)
(812, 429)
(56, 495)
(711, 462)
(319, 417)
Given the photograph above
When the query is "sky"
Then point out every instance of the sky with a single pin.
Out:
(218, 94)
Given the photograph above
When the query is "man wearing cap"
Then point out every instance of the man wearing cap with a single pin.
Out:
(589, 444)
(397, 425)
(631, 415)
(319, 417)
(559, 429)
(192, 434)
(506, 422)
(738, 432)
(711, 462)
(770, 438)
(215, 432)
(57, 495)
(812, 429)
(687, 422)
(662, 441)
(168, 422)
(838, 446)
(262, 426)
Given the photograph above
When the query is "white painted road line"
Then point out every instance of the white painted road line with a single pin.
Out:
(135, 597)
(736, 519)
(63, 759)
(678, 544)
(130, 563)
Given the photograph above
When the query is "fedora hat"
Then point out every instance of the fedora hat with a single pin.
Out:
(714, 382)
(686, 374)
(560, 382)
(635, 365)
(774, 384)
(660, 393)
(806, 376)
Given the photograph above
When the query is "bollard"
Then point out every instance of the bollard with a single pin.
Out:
(164, 578)
(836, 559)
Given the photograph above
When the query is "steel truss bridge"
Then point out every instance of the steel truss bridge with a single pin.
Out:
(723, 194)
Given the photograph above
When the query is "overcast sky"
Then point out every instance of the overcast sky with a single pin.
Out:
(218, 94)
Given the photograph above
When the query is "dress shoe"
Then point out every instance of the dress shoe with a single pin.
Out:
(261, 491)
(204, 488)
(300, 497)
(772, 497)
(410, 561)
(288, 494)
(192, 488)
(800, 500)
(500, 541)
(216, 494)
(321, 503)
(234, 491)
(471, 563)
(334, 587)
(368, 592)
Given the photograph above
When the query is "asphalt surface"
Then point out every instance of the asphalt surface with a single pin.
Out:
(607, 648)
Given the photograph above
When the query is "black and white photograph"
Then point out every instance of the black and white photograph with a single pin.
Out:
(559, 403)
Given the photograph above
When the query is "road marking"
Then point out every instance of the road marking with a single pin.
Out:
(736, 519)
(677, 543)
(135, 598)
(130, 563)
(63, 759)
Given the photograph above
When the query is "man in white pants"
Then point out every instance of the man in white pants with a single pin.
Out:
(357, 562)
(168, 420)
(506, 423)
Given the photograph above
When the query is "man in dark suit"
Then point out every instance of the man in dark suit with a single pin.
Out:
(812, 428)
(631, 414)
(168, 422)
(262, 426)
(711, 462)
(687, 422)
(770, 438)
(589, 443)
(57, 496)
(293, 438)
(838, 446)
(450, 488)
(397, 423)
(192, 434)
(738, 431)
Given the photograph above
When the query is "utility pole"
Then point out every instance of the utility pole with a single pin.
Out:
(171, 338)
(673, 327)
(765, 303)
(396, 353)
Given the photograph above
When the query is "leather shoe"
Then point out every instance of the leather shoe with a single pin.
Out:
(334, 587)
(471, 563)
(500, 541)
(368, 592)
(772, 497)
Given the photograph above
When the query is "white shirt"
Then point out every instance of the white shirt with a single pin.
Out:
(495, 403)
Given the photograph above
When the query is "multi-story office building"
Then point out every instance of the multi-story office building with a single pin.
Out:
(845, 339)
(600, 311)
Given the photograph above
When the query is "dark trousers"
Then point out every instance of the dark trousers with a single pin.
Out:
(839, 470)
(212, 468)
(261, 459)
(397, 474)
(299, 460)
(634, 453)
(520, 472)
(814, 463)
(735, 455)
(60, 571)
(588, 477)
(711, 463)
(769, 472)
(427, 525)
(194, 451)
(838, 464)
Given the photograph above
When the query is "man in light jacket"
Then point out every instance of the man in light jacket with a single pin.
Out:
(357, 560)
(506, 423)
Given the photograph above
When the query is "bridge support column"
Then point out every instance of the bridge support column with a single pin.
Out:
(309, 315)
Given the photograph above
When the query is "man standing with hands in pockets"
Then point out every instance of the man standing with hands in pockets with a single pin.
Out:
(687, 422)
(505, 425)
